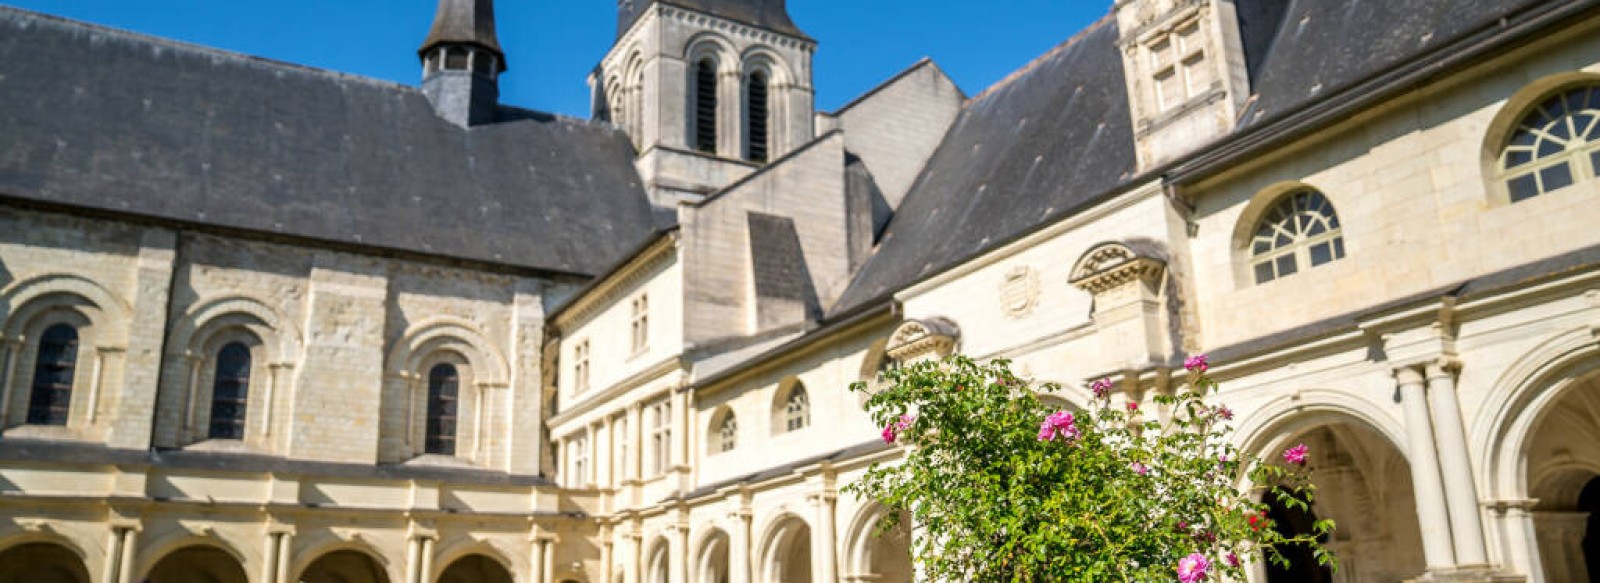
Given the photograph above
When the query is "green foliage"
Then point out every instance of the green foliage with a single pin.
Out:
(992, 500)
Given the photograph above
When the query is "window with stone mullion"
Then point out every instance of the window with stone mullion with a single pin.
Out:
(1299, 232)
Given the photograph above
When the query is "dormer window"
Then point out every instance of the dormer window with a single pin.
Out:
(1181, 73)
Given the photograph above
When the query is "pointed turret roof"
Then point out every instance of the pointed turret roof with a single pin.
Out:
(464, 22)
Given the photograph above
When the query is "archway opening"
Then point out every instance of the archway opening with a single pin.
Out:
(198, 565)
(344, 567)
(1562, 466)
(475, 569)
(658, 572)
(884, 555)
(789, 553)
(41, 563)
(712, 565)
(1363, 483)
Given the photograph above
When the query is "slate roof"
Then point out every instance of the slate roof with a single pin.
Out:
(1323, 45)
(769, 14)
(466, 22)
(115, 121)
(1040, 145)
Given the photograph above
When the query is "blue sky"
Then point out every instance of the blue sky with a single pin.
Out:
(552, 44)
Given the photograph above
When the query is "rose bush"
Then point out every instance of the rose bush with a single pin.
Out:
(1001, 487)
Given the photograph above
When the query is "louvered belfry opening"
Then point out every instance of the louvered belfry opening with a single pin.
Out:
(444, 385)
(756, 94)
(230, 392)
(705, 106)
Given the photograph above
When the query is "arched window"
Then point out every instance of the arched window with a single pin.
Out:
(756, 112)
(727, 433)
(1300, 231)
(1555, 145)
(51, 399)
(444, 384)
(230, 392)
(705, 106)
(797, 409)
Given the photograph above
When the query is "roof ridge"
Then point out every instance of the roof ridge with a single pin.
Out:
(194, 47)
(1038, 61)
(922, 62)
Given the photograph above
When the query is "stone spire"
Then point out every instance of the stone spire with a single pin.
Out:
(462, 62)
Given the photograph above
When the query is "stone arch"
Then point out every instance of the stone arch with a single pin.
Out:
(43, 558)
(1518, 459)
(1517, 105)
(225, 563)
(443, 340)
(30, 307)
(475, 561)
(657, 561)
(867, 547)
(785, 549)
(196, 338)
(1250, 219)
(711, 44)
(17, 299)
(765, 58)
(325, 544)
(712, 556)
(464, 548)
(1363, 482)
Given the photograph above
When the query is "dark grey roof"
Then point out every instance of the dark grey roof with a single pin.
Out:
(114, 121)
(1043, 144)
(464, 22)
(769, 14)
(1323, 45)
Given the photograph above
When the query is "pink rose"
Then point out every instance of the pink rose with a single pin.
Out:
(1233, 560)
(1296, 455)
(1059, 424)
(1101, 388)
(1139, 468)
(1193, 568)
(1196, 363)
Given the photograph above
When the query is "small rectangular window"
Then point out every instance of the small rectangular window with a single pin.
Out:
(1321, 253)
(641, 324)
(1287, 266)
(1264, 272)
(580, 366)
(1594, 157)
(1556, 177)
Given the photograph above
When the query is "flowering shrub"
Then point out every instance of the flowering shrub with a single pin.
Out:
(1000, 487)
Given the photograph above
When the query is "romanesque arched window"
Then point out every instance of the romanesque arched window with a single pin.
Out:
(1300, 231)
(1555, 145)
(756, 117)
(796, 409)
(704, 116)
(51, 398)
(444, 387)
(727, 433)
(230, 392)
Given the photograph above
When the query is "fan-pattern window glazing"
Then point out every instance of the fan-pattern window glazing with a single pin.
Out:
(728, 433)
(1300, 231)
(51, 398)
(1556, 145)
(230, 392)
(797, 410)
(444, 388)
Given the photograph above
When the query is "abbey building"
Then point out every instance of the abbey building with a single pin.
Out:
(261, 323)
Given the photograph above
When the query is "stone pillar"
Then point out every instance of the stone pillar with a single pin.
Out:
(536, 562)
(275, 561)
(1560, 540)
(825, 568)
(605, 559)
(730, 114)
(635, 438)
(548, 569)
(678, 554)
(11, 348)
(121, 550)
(419, 558)
(739, 556)
(1461, 493)
(1433, 518)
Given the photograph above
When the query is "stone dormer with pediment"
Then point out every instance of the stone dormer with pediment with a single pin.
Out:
(918, 340)
(1128, 280)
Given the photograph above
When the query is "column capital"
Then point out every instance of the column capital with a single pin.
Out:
(1443, 367)
(1409, 374)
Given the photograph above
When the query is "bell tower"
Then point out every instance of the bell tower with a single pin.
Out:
(1186, 73)
(708, 90)
(462, 62)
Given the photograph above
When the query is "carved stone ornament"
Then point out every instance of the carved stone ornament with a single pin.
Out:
(916, 339)
(1109, 265)
(1019, 292)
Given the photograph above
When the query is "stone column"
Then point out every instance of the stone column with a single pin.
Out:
(678, 554)
(739, 559)
(1461, 493)
(605, 559)
(635, 439)
(730, 114)
(425, 563)
(11, 347)
(536, 561)
(276, 559)
(121, 550)
(825, 569)
(1433, 518)
(548, 569)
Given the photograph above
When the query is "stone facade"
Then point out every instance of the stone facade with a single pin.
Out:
(1365, 269)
